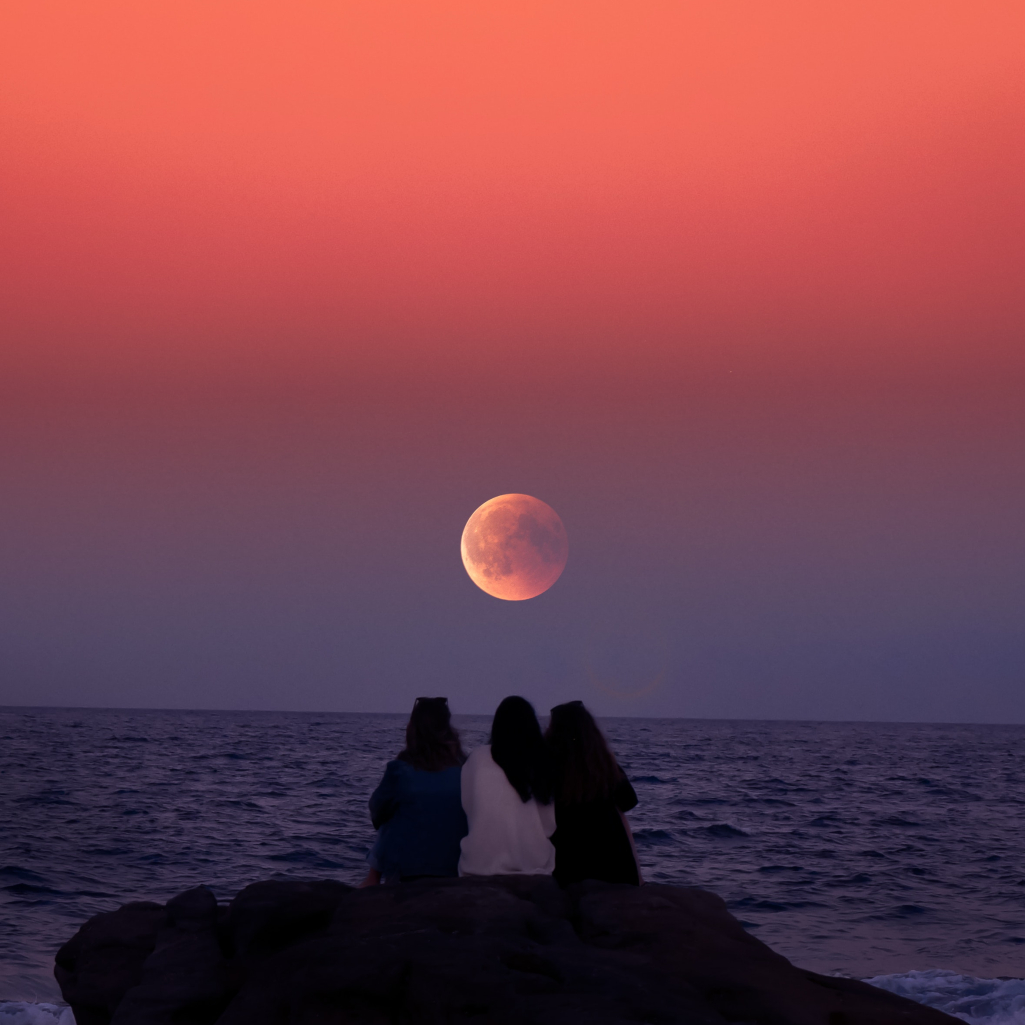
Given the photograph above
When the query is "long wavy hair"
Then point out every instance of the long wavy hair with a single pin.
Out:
(584, 767)
(519, 749)
(432, 742)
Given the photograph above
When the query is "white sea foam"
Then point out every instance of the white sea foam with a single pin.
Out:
(977, 1001)
(19, 1012)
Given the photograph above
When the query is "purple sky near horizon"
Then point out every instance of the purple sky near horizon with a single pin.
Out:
(736, 550)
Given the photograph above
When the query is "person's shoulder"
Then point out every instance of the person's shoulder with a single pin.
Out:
(478, 758)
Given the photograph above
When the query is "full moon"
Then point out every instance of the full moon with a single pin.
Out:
(514, 547)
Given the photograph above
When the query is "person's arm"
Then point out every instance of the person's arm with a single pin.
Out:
(626, 798)
(547, 813)
(624, 795)
(633, 847)
(467, 781)
(384, 801)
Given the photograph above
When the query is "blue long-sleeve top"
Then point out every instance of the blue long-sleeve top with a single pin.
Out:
(420, 819)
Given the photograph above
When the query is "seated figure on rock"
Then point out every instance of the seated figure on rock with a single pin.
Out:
(507, 796)
(593, 839)
(416, 809)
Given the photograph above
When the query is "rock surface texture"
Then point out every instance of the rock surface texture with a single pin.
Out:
(502, 950)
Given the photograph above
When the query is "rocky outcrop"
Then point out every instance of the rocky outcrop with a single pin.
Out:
(502, 950)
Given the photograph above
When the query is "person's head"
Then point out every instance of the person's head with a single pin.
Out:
(519, 749)
(431, 741)
(584, 767)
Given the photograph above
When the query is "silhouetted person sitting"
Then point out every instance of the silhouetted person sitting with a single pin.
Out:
(417, 809)
(507, 796)
(593, 840)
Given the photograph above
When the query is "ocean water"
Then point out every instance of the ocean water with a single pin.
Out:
(894, 852)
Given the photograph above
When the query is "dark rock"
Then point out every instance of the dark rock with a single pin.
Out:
(187, 977)
(503, 950)
(265, 917)
(104, 960)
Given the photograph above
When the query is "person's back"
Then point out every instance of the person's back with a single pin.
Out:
(417, 808)
(592, 840)
(506, 793)
(421, 821)
(506, 834)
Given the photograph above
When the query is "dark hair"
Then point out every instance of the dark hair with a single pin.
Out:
(432, 743)
(585, 769)
(519, 749)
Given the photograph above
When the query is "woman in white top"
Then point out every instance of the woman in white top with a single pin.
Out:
(507, 797)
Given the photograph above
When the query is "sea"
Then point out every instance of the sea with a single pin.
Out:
(888, 852)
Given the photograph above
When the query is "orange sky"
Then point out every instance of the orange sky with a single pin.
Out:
(193, 183)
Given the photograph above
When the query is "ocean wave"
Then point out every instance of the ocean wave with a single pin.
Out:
(977, 1001)
(724, 830)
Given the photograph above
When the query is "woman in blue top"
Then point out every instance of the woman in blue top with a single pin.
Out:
(417, 809)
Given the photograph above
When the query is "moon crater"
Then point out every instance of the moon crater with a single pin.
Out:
(514, 547)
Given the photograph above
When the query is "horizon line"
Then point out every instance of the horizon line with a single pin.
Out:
(657, 718)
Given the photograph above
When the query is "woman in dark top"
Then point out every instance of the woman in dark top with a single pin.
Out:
(417, 809)
(592, 839)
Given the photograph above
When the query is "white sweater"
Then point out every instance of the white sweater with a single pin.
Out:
(507, 835)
